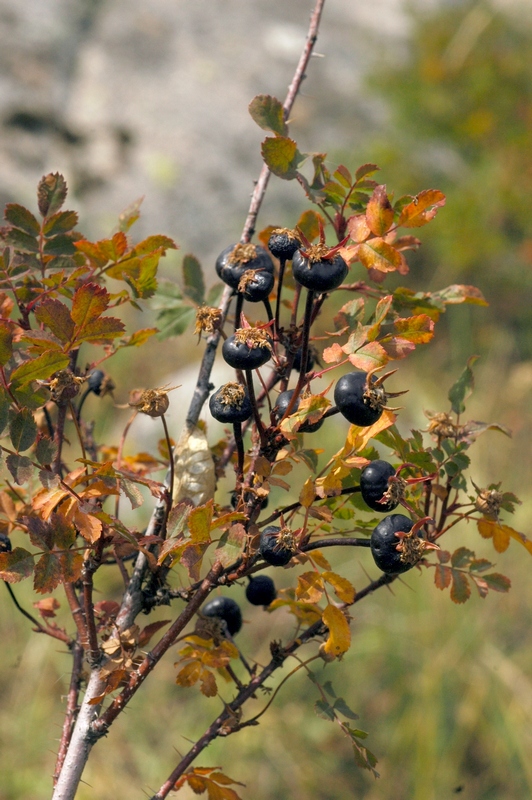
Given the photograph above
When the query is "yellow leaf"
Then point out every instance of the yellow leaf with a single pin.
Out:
(208, 684)
(339, 639)
(189, 675)
(309, 587)
(359, 437)
(307, 493)
(282, 468)
(501, 534)
(319, 559)
(342, 587)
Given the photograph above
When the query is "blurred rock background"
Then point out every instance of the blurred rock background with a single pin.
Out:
(132, 99)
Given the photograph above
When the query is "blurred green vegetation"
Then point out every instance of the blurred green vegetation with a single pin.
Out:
(458, 108)
(444, 691)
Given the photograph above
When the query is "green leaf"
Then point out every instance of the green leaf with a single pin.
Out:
(324, 710)
(463, 387)
(29, 398)
(60, 245)
(40, 368)
(342, 707)
(328, 687)
(364, 170)
(460, 590)
(458, 293)
(5, 403)
(462, 557)
(20, 217)
(51, 193)
(22, 242)
(56, 316)
(282, 156)
(101, 330)
(194, 285)
(22, 429)
(231, 544)
(6, 342)
(175, 321)
(63, 222)
(45, 450)
(16, 565)
(497, 582)
(268, 113)
(20, 468)
(130, 215)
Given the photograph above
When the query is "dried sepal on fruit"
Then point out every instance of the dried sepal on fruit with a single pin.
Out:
(208, 319)
(64, 386)
(284, 242)
(230, 403)
(277, 545)
(238, 258)
(488, 501)
(153, 402)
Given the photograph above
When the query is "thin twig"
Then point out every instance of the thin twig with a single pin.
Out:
(138, 677)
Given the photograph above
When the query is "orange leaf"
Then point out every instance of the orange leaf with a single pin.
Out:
(422, 209)
(378, 254)
(379, 211)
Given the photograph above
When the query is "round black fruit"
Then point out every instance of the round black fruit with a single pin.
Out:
(226, 609)
(256, 286)
(374, 483)
(311, 360)
(5, 543)
(240, 355)
(230, 404)
(274, 548)
(319, 276)
(283, 243)
(358, 405)
(95, 381)
(261, 590)
(384, 543)
(237, 258)
(282, 404)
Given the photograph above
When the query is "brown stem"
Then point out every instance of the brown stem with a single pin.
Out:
(137, 678)
(304, 354)
(77, 615)
(336, 542)
(121, 444)
(59, 436)
(71, 709)
(94, 649)
(170, 482)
